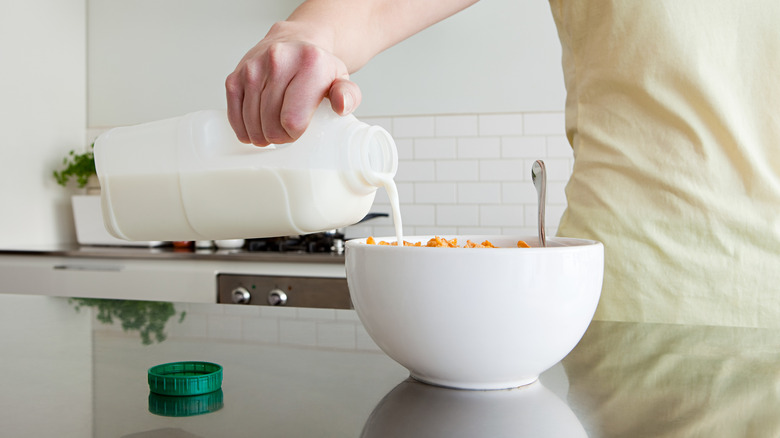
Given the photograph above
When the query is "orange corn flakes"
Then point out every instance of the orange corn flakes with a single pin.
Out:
(440, 242)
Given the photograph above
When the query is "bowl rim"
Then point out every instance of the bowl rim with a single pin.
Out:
(559, 243)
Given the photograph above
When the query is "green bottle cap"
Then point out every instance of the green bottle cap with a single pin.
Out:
(185, 378)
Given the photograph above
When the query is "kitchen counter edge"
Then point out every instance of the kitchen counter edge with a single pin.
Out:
(116, 252)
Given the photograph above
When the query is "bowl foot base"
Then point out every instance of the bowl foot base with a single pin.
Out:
(476, 386)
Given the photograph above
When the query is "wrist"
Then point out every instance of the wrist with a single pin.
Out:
(305, 32)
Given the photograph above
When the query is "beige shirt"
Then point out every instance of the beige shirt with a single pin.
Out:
(673, 113)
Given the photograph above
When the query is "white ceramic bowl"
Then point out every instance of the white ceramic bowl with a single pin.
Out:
(476, 318)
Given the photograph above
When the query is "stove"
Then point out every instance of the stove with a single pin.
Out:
(327, 242)
(288, 290)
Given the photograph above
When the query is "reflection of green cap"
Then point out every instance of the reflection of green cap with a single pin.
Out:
(177, 406)
(185, 378)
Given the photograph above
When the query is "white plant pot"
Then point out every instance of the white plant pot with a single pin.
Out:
(88, 217)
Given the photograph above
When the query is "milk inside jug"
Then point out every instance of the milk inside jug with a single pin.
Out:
(189, 178)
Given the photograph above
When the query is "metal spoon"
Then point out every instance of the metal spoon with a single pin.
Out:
(539, 178)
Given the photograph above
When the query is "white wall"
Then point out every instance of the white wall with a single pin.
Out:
(151, 59)
(42, 115)
(499, 56)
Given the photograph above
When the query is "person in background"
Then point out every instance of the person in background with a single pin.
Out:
(672, 111)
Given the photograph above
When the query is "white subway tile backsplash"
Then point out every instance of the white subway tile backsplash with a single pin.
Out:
(436, 231)
(544, 124)
(471, 173)
(558, 147)
(457, 215)
(418, 214)
(551, 220)
(479, 147)
(381, 197)
(435, 148)
(531, 217)
(558, 169)
(554, 213)
(501, 215)
(500, 124)
(442, 193)
(456, 126)
(405, 192)
(518, 192)
(457, 170)
(524, 147)
(503, 170)
(412, 171)
(388, 231)
(556, 192)
(384, 122)
(479, 230)
(405, 147)
(479, 193)
(528, 232)
(408, 127)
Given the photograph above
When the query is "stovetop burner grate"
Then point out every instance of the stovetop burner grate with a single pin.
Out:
(308, 243)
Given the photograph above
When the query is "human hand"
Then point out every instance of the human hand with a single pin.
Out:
(278, 85)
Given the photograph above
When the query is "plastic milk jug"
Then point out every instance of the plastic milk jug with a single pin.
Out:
(189, 178)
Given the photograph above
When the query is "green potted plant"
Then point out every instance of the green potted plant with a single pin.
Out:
(81, 168)
(87, 214)
(87, 211)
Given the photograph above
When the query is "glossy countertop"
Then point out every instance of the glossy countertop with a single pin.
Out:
(69, 372)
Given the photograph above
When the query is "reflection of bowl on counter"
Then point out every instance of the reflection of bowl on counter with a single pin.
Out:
(476, 318)
(413, 409)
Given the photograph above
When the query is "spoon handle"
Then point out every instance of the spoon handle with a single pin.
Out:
(539, 178)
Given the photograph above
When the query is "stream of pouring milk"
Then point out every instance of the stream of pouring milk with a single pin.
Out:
(395, 206)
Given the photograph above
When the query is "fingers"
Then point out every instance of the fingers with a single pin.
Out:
(273, 93)
(255, 92)
(313, 76)
(235, 104)
(344, 95)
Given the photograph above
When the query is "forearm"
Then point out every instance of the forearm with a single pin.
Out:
(357, 30)
(277, 85)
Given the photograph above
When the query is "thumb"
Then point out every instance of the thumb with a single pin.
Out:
(344, 96)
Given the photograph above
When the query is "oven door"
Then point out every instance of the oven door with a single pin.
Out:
(266, 290)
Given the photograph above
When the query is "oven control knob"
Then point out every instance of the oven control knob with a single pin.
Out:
(241, 295)
(277, 297)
